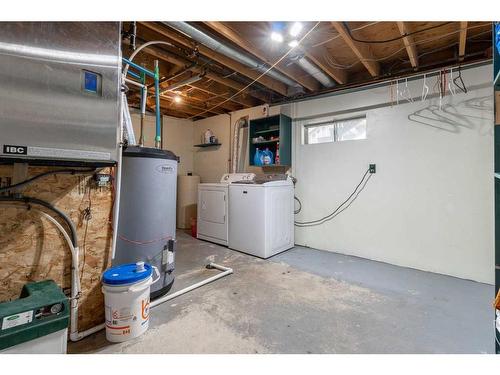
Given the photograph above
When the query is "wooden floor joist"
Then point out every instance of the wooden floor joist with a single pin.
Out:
(300, 77)
(362, 51)
(409, 43)
(463, 40)
(234, 65)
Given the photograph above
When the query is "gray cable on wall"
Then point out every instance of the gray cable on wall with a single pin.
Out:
(354, 195)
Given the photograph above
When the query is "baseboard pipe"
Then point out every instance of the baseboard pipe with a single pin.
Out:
(168, 297)
(76, 336)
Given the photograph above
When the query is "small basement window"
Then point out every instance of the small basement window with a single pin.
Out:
(335, 131)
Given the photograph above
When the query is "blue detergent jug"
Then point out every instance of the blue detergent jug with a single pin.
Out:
(257, 159)
(267, 157)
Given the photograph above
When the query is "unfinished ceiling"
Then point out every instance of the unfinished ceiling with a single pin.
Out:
(209, 68)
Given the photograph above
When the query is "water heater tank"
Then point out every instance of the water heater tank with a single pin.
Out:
(146, 223)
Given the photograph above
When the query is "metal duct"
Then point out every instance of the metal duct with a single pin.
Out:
(185, 82)
(217, 46)
(324, 79)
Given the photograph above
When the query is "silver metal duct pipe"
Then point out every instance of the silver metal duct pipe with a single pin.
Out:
(185, 82)
(310, 68)
(217, 46)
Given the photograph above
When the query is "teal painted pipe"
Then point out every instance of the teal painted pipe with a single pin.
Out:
(139, 68)
(133, 75)
(157, 97)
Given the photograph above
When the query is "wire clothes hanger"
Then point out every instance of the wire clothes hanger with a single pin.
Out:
(450, 83)
(461, 84)
(405, 93)
(425, 88)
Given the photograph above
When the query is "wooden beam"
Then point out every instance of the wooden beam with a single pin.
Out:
(265, 80)
(463, 40)
(186, 100)
(244, 101)
(170, 111)
(162, 55)
(409, 43)
(337, 74)
(303, 79)
(362, 51)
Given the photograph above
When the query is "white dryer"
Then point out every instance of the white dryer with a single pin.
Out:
(261, 216)
(213, 203)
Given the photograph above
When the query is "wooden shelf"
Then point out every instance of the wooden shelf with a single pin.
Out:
(264, 142)
(275, 166)
(208, 145)
(278, 127)
(268, 131)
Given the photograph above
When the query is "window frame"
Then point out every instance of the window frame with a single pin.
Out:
(334, 122)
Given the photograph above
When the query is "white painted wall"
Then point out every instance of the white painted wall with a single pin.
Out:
(430, 204)
(212, 162)
(177, 137)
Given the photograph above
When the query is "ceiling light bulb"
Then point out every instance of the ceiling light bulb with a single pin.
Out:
(277, 37)
(294, 43)
(295, 29)
(177, 99)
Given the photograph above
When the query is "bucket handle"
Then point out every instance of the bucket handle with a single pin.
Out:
(136, 289)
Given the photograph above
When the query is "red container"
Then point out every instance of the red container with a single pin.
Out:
(193, 227)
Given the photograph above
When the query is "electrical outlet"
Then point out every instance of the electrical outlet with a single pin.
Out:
(373, 168)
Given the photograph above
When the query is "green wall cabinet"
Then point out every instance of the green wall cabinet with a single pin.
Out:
(271, 132)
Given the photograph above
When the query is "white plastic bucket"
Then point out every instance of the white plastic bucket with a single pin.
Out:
(127, 308)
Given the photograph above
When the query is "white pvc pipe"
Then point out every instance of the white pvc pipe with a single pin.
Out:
(131, 58)
(75, 281)
(76, 287)
(128, 121)
(168, 297)
(116, 207)
(134, 82)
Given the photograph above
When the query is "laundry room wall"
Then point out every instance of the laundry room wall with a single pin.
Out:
(430, 204)
(212, 162)
(177, 137)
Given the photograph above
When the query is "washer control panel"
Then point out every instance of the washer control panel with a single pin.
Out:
(229, 178)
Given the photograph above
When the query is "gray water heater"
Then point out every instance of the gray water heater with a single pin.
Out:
(146, 224)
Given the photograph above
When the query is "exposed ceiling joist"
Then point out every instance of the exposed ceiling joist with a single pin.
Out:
(244, 101)
(269, 82)
(362, 51)
(303, 79)
(337, 74)
(159, 54)
(409, 43)
(463, 40)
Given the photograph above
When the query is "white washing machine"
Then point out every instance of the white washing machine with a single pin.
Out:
(213, 203)
(261, 216)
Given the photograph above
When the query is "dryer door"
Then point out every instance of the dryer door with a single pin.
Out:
(213, 203)
(212, 215)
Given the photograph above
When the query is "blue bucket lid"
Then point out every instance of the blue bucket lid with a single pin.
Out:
(127, 273)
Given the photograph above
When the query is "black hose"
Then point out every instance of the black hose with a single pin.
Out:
(38, 176)
(49, 206)
(392, 39)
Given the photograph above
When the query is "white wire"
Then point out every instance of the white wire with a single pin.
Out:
(340, 66)
(338, 35)
(261, 75)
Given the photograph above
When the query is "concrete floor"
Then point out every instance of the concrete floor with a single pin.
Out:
(311, 301)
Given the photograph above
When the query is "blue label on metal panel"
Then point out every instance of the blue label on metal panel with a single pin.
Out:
(90, 82)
